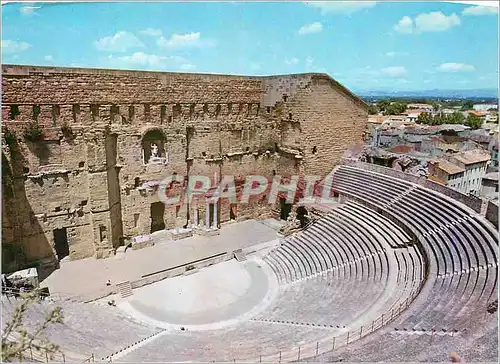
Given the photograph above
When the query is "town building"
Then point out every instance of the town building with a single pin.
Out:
(474, 163)
(446, 173)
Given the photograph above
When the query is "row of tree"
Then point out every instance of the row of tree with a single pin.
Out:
(473, 121)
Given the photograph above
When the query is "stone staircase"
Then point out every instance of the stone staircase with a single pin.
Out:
(239, 255)
(125, 289)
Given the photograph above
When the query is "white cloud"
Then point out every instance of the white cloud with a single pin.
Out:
(149, 61)
(396, 54)
(315, 27)
(184, 40)
(48, 58)
(120, 42)
(394, 71)
(151, 32)
(12, 46)
(480, 10)
(28, 10)
(435, 22)
(455, 67)
(341, 7)
(405, 25)
(292, 61)
(427, 22)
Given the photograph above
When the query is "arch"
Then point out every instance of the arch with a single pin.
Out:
(153, 146)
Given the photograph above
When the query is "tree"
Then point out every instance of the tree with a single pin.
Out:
(373, 109)
(395, 108)
(383, 104)
(456, 118)
(425, 118)
(467, 105)
(19, 343)
(474, 121)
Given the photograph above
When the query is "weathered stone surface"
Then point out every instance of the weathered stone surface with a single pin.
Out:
(90, 179)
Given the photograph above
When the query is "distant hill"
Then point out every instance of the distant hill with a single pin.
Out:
(432, 94)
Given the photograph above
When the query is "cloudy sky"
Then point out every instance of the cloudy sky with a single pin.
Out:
(365, 45)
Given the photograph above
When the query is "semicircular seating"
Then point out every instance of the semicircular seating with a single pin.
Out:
(462, 250)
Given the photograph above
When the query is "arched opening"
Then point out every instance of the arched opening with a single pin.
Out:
(153, 147)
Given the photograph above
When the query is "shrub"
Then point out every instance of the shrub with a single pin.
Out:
(67, 131)
(10, 138)
(33, 132)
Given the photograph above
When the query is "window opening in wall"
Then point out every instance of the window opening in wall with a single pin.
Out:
(229, 108)
(136, 219)
(76, 111)
(191, 109)
(26, 170)
(131, 113)
(84, 203)
(163, 113)
(205, 108)
(248, 149)
(36, 112)
(137, 182)
(268, 109)
(314, 150)
(61, 245)
(170, 118)
(102, 232)
(57, 209)
(274, 172)
(114, 111)
(14, 112)
(290, 116)
(285, 98)
(94, 111)
(204, 154)
(217, 110)
(176, 110)
(56, 111)
(81, 164)
(147, 111)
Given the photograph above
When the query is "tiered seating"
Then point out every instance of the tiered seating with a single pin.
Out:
(87, 328)
(461, 246)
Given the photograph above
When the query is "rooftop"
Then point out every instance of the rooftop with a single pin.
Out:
(472, 156)
(449, 167)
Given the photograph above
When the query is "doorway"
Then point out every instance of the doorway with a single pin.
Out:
(61, 243)
(157, 214)
(285, 209)
(232, 212)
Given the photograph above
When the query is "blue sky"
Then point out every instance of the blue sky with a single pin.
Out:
(365, 45)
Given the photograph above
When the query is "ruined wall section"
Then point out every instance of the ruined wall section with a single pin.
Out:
(98, 178)
(322, 120)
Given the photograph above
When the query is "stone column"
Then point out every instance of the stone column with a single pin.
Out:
(195, 212)
(207, 214)
(214, 225)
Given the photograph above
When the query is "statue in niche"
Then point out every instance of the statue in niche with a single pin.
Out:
(154, 151)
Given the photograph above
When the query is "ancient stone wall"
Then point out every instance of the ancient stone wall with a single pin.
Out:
(110, 138)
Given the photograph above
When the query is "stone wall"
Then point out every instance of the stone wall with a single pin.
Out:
(94, 175)
(492, 213)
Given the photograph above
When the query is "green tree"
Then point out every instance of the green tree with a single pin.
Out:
(20, 343)
(474, 121)
(456, 118)
(425, 118)
(383, 104)
(373, 109)
(440, 119)
(395, 108)
(467, 105)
